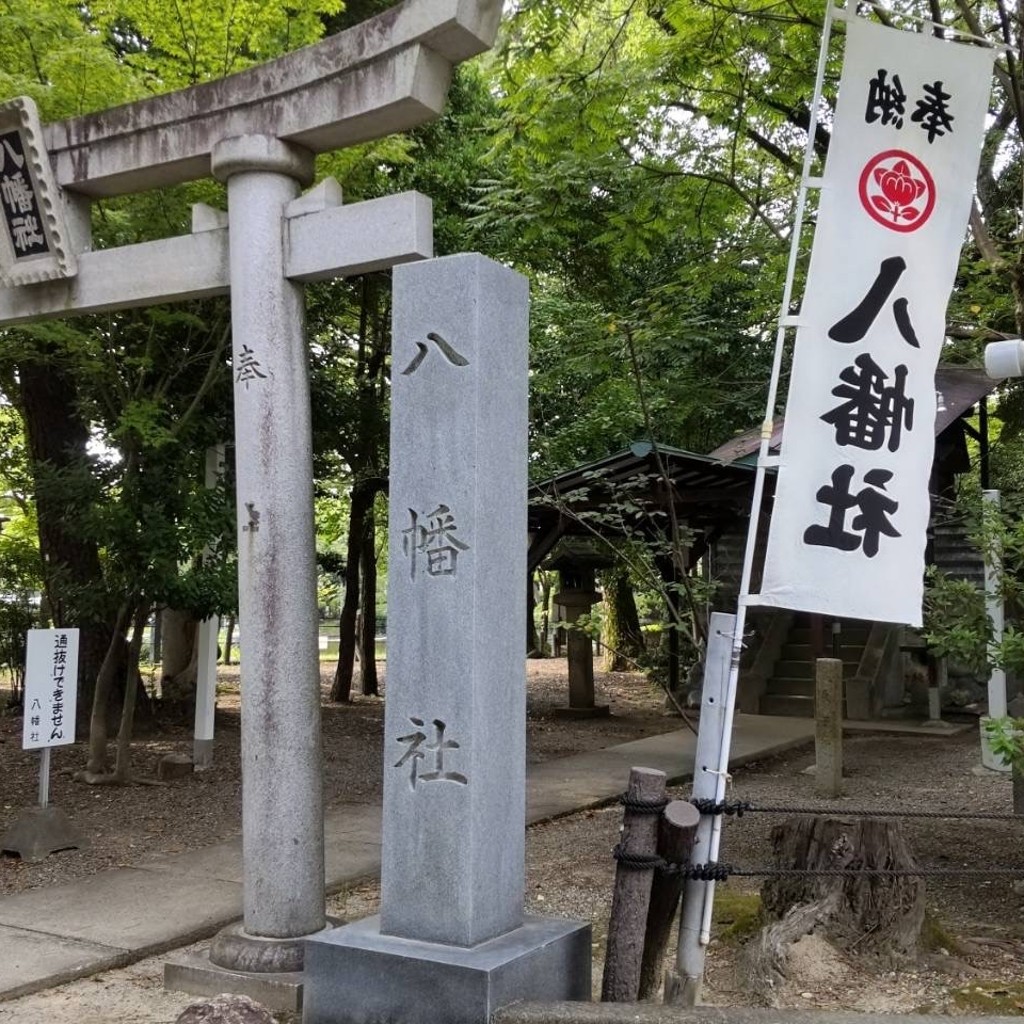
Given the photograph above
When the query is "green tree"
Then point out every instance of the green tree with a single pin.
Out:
(150, 387)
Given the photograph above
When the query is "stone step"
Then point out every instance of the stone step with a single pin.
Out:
(791, 705)
(805, 669)
(791, 686)
(850, 653)
(850, 635)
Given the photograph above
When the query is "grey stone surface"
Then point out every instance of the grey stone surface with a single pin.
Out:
(282, 787)
(128, 909)
(557, 787)
(336, 242)
(356, 975)
(33, 959)
(454, 743)
(235, 949)
(193, 973)
(39, 831)
(383, 76)
(648, 1013)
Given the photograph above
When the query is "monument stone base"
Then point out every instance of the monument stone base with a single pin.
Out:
(195, 974)
(356, 975)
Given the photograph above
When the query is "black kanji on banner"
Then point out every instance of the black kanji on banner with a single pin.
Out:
(874, 505)
(19, 201)
(872, 412)
(856, 324)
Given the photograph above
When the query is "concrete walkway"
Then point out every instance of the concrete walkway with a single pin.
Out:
(50, 936)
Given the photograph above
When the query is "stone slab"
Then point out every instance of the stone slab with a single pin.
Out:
(143, 912)
(909, 727)
(334, 242)
(356, 975)
(382, 76)
(33, 960)
(193, 973)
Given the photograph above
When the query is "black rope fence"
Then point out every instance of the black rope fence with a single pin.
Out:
(737, 808)
(713, 872)
(721, 872)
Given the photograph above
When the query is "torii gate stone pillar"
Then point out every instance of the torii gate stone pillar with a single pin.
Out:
(282, 793)
(258, 131)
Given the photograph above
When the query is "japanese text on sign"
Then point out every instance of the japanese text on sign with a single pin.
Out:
(18, 200)
(51, 688)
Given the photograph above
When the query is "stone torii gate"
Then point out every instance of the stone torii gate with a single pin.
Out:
(257, 131)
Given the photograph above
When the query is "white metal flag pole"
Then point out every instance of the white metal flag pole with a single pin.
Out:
(994, 610)
(44, 777)
(764, 460)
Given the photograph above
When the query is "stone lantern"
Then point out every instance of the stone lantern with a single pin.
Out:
(577, 563)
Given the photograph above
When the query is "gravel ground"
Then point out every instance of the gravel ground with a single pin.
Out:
(125, 822)
(976, 960)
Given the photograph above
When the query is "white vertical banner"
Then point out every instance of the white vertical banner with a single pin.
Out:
(847, 534)
(51, 688)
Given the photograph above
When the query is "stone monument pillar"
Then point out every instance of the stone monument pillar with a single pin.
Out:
(282, 797)
(451, 942)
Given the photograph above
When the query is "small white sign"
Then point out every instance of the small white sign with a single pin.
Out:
(51, 688)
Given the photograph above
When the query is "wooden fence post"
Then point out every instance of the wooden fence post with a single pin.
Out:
(676, 830)
(632, 892)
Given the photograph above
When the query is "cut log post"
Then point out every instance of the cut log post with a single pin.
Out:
(676, 830)
(632, 891)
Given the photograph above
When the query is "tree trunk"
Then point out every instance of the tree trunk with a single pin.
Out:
(623, 641)
(361, 500)
(57, 437)
(156, 647)
(368, 603)
(180, 668)
(105, 685)
(880, 915)
(532, 645)
(229, 637)
(545, 612)
(122, 765)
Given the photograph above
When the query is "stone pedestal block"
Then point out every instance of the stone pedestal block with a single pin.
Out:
(356, 975)
(195, 974)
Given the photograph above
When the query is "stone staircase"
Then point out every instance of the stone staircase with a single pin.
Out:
(790, 689)
(955, 554)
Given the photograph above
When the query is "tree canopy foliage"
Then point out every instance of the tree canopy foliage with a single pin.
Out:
(637, 159)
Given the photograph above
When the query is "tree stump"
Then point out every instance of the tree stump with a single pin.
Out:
(877, 915)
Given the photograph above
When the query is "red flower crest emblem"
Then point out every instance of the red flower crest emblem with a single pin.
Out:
(897, 190)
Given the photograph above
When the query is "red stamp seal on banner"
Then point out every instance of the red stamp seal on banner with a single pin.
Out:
(897, 190)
